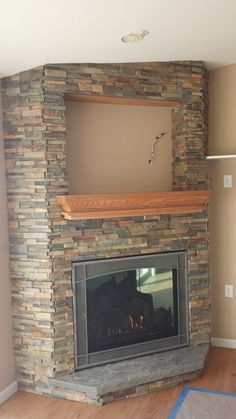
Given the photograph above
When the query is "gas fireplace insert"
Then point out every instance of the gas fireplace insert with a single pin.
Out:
(130, 306)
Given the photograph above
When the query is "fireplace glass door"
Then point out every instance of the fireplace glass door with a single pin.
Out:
(129, 306)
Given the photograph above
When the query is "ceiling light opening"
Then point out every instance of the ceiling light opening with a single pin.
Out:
(134, 36)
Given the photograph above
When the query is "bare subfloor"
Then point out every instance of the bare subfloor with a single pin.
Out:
(219, 374)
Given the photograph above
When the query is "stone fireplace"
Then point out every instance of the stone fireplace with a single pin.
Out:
(43, 244)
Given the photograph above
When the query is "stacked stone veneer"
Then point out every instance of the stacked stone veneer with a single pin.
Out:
(43, 244)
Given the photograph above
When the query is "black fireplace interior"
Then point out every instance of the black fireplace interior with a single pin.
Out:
(131, 307)
(126, 307)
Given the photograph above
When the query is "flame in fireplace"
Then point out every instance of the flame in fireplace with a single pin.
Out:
(131, 322)
(135, 323)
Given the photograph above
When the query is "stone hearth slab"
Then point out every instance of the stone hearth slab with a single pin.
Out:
(131, 377)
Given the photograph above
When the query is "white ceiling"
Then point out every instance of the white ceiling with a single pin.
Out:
(34, 32)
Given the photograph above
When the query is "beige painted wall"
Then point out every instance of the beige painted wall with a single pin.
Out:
(108, 148)
(222, 140)
(7, 367)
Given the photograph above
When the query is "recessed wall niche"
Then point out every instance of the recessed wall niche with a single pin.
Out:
(109, 145)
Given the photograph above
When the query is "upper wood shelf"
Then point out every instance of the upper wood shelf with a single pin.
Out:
(85, 207)
(120, 100)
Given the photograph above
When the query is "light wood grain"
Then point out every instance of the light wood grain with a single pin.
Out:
(219, 374)
(80, 207)
(121, 100)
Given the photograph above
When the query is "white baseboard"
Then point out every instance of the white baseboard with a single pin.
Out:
(8, 392)
(224, 343)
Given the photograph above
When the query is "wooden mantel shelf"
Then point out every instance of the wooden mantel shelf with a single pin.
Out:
(85, 207)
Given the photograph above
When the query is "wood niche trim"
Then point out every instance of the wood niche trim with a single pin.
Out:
(121, 100)
(86, 207)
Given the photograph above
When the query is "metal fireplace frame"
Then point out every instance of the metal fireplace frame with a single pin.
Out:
(88, 269)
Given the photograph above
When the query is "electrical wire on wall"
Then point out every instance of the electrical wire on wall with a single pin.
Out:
(154, 143)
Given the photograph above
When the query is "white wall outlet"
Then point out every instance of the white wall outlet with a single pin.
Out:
(229, 291)
(228, 181)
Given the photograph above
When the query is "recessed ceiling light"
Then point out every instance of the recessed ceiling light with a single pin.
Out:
(134, 36)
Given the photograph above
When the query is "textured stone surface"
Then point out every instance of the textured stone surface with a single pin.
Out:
(141, 235)
(43, 244)
(135, 376)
